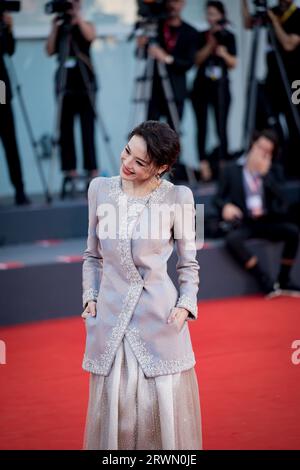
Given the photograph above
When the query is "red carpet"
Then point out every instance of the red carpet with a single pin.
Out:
(249, 388)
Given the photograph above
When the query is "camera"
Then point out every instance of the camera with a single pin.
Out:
(10, 6)
(58, 6)
(222, 35)
(152, 10)
(150, 13)
(62, 8)
(261, 7)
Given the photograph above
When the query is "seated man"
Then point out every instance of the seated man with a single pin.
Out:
(250, 201)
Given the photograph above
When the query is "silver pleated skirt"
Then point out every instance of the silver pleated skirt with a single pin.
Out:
(128, 411)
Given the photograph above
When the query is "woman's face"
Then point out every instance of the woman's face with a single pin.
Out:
(213, 16)
(135, 163)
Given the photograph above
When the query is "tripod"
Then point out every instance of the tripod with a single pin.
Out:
(34, 144)
(68, 43)
(251, 107)
(143, 93)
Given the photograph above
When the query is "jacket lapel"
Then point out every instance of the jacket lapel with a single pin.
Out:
(124, 241)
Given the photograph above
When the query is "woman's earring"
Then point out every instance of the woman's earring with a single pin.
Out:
(157, 176)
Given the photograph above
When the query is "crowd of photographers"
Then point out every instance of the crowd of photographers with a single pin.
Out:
(249, 199)
(179, 47)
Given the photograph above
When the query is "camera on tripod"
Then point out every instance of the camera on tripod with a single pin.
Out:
(152, 10)
(58, 6)
(9, 6)
(261, 8)
(150, 13)
(61, 7)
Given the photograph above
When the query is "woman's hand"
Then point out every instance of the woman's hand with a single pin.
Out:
(57, 22)
(178, 315)
(212, 42)
(221, 51)
(90, 309)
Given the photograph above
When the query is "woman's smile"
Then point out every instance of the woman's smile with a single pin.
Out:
(126, 171)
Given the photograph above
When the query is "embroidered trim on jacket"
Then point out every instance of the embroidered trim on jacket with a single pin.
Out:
(185, 302)
(154, 368)
(89, 294)
(101, 365)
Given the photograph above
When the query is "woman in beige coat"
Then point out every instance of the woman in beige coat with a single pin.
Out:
(143, 386)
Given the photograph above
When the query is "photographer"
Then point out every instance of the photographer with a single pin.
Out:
(215, 57)
(176, 49)
(7, 126)
(285, 22)
(71, 29)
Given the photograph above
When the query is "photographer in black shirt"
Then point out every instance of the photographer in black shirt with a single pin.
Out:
(285, 22)
(176, 48)
(7, 125)
(216, 55)
(78, 89)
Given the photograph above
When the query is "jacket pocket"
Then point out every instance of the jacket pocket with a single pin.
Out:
(175, 325)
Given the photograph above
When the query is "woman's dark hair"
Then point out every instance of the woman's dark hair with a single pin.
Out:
(162, 142)
(269, 134)
(217, 5)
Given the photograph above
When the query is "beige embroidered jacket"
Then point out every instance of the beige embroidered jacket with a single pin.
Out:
(127, 276)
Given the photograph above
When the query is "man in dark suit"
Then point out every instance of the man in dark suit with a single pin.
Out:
(251, 202)
(176, 48)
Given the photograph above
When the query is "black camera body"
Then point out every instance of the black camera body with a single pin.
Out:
(152, 10)
(150, 13)
(9, 6)
(261, 7)
(61, 8)
(222, 35)
(58, 6)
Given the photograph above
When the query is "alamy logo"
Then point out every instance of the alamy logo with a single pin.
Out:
(296, 354)
(2, 92)
(296, 94)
